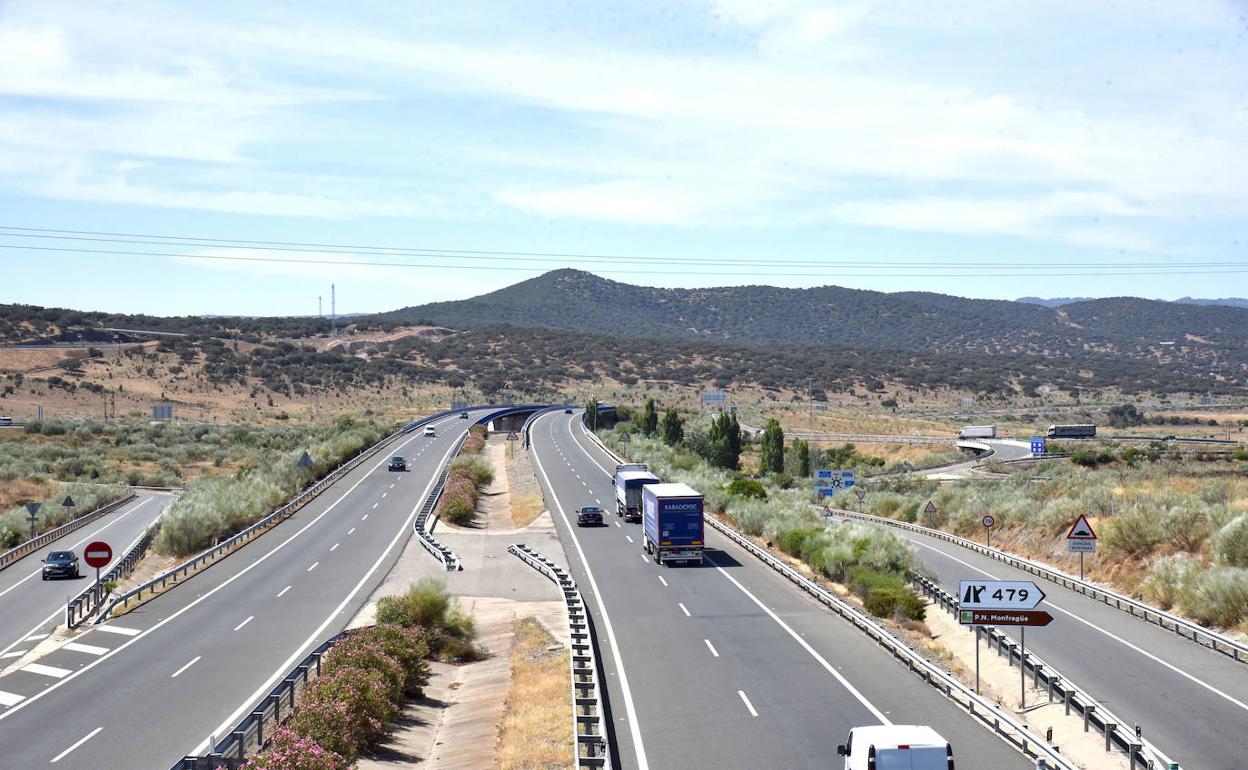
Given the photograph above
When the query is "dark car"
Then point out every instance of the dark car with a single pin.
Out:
(397, 463)
(567, 411)
(588, 515)
(463, 415)
(60, 564)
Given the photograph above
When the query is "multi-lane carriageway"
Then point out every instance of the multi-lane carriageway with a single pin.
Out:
(158, 681)
(725, 665)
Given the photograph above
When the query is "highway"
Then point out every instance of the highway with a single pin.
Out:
(725, 665)
(32, 607)
(147, 688)
(1191, 702)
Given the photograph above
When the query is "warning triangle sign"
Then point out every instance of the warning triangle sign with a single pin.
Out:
(1082, 530)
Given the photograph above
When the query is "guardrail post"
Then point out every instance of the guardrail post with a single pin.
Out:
(1088, 709)
(1110, 727)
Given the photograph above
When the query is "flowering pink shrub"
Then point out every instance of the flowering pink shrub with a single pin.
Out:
(356, 653)
(409, 646)
(345, 711)
(288, 751)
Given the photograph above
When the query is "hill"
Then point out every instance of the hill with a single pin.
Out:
(1211, 337)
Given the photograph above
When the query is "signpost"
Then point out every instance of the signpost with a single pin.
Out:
(862, 493)
(305, 461)
(714, 397)
(1002, 603)
(625, 438)
(828, 482)
(1081, 539)
(1037, 445)
(988, 524)
(97, 554)
(33, 508)
(929, 509)
(512, 438)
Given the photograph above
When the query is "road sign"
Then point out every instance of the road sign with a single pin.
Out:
(989, 521)
(930, 507)
(1004, 618)
(512, 436)
(829, 482)
(860, 492)
(1080, 546)
(1037, 445)
(1081, 530)
(999, 595)
(714, 397)
(97, 554)
(305, 461)
(625, 438)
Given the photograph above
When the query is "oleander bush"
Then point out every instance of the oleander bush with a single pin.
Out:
(475, 441)
(464, 480)
(287, 750)
(345, 712)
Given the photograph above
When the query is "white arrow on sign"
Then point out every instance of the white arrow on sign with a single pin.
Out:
(999, 595)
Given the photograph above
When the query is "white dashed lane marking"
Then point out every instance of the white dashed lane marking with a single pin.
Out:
(245, 622)
(749, 706)
(189, 663)
(683, 609)
(630, 538)
(314, 566)
(77, 743)
(661, 579)
(711, 647)
(282, 592)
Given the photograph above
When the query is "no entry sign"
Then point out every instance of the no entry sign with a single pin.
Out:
(97, 554)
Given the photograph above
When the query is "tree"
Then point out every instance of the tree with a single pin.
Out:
(771, 457)
(591, 413)
(673, 427)
(649, 418)
(803, 457)
(725, 442)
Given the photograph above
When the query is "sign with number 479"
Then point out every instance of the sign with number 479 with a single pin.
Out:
(999, 595)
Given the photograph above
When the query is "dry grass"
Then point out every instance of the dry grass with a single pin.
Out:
(19, 491)
(526, 497)
(536, 731)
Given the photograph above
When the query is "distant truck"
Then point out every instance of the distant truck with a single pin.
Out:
(1071, 431)
(978, 431)
(628, 486)
(672, 527)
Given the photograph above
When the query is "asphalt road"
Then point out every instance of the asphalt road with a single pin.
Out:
(1191, 702)
(145, 689)
(31, 608)
(725, 665)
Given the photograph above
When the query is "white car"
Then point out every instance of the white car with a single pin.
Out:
(429, 431)
(896, 747)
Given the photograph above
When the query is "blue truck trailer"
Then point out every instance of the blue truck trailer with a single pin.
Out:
(672, 523)
(629, 481)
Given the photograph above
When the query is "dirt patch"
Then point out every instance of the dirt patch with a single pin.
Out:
(19, 491)
(526, 495)
(534, 734)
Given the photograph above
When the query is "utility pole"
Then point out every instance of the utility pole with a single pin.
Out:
(320, 311)
(810, 400)
(333, 311)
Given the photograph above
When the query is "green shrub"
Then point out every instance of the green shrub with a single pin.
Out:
(345, 712)
(744, 487)
(426, 604)
(409, 646)
(1170, 579)
(1219, 597)
(1230, 543)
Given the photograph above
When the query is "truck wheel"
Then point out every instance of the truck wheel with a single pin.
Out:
(658, 557)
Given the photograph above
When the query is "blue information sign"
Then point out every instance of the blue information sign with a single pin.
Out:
(1037, 445)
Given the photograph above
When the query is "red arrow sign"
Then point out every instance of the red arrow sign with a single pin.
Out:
(1005, 617)
(97, 554)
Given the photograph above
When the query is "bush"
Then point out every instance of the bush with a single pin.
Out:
(426, 604)
(408, 646)
(1230, 543)
(345, 712)
(1219, 597)
(362, 656)
(886, 594)
(1170, 579)
(747, 488)
(287, 750)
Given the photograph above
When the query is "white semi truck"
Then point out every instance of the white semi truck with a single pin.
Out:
(978, 431)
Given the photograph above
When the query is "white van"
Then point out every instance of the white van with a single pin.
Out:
(896, 747)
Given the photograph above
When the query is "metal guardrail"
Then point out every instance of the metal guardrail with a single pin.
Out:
(9, 557)
(865, 438)
(1095, 715)
(84, 604)
(590, 746)
(1193, 632)
(992, 716)
(269, 714)
(197, 563)
(420, 527)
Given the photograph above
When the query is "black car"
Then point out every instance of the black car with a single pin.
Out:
(567, 411)
(60, 564)
(397, 463)
(588, 515)
(463, 415)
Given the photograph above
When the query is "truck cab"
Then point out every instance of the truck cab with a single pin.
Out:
(896, 747)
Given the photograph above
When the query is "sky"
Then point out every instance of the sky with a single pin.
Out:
(986, 149)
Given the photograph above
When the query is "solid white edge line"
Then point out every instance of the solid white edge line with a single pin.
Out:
(189, 663)
(630, 709)
(80, 741)
(806, 646)
(749, 706)
(711, 647)
(60, 611)
(245, 622)
(1110, 634)
(189, 606)
(301, 652)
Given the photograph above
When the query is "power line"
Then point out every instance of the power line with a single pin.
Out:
(1167, 266)
(1183, 269)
